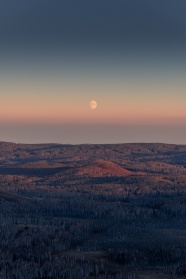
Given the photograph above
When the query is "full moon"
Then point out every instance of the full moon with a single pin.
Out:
(93, 104)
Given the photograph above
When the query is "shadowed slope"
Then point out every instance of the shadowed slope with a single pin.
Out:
(10, 196)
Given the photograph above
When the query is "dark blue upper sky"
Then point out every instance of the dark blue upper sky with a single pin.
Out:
(131, 22)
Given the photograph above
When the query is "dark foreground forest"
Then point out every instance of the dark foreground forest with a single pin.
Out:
(92, 211)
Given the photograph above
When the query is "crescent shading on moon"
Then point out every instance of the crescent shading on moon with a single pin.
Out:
(93, 104)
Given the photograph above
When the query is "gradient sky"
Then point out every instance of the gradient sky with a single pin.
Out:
(57, 56)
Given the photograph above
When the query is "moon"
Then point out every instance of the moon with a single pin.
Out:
(93, 104)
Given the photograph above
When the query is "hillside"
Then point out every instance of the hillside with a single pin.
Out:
(93, 211)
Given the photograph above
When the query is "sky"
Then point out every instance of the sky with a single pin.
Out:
(127, 55)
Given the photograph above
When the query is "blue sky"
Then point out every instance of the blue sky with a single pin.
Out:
(57, 56)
